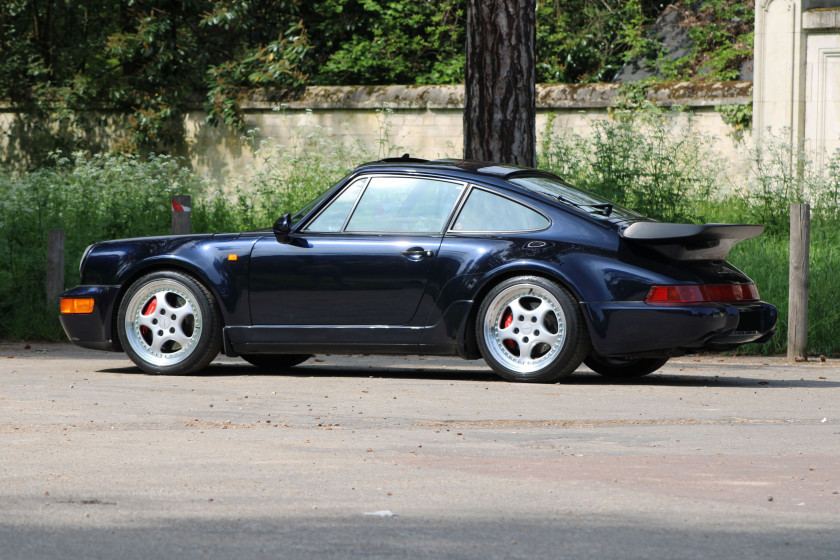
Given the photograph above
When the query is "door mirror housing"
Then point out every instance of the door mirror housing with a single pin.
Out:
(282, 227)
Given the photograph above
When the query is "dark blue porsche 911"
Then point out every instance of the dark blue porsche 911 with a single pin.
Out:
(447, 257)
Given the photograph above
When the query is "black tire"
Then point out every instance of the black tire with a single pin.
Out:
(623, 369)
(168, 323)
(531, 329)
(275, 362)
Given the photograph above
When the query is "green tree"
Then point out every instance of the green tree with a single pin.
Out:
(146, 58)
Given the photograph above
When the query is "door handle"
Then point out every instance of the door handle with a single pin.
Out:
(417, 253)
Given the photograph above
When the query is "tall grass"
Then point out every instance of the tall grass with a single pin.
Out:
(647, 160)
(91, 198)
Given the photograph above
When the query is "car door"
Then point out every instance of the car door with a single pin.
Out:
(364, 260)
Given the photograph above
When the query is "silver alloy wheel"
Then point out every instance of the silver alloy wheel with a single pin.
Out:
(163, 322)
(524, 327)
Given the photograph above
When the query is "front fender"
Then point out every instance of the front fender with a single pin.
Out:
(219, 262)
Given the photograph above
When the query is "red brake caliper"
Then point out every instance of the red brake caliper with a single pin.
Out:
(507, 320)
(150, 308)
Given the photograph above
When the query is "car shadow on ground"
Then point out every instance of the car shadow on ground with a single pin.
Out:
(471, 373)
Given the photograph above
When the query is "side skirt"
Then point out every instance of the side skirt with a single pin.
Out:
(349, 339)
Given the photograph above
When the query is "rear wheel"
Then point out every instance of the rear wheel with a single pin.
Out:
(620, 368)
(275, 362)
(168, 323)
(531, 329)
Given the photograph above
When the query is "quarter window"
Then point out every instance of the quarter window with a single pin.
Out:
(486, 211)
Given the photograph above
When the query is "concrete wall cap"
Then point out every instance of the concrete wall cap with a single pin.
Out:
(451, 97)
(821, 18)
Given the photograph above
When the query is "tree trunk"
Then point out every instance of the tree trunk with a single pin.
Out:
(500, 104)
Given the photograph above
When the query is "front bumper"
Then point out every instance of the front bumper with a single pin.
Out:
(638, 328)
(93, 330)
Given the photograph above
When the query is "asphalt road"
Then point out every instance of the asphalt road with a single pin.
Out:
(370, 457)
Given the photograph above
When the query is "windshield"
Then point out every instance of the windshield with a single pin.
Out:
(556, 189)
(302, 213)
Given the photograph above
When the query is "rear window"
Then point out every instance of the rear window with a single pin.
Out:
(591, 203)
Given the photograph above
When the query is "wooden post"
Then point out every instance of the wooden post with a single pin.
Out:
(55, 264)
(181, 206)
(800, 236)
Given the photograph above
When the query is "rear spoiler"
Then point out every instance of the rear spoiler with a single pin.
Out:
(690, 241)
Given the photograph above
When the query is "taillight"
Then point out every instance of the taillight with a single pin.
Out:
(699, 293)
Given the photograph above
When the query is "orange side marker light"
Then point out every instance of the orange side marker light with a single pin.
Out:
(76, 306)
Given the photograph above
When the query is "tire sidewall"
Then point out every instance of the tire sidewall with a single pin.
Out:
(206, 347)
(575, 345)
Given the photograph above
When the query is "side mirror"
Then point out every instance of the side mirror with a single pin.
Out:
(282, 227)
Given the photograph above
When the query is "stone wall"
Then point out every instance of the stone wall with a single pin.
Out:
(425, 121)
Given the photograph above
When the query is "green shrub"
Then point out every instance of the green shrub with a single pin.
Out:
(91, 198)
(643, 159)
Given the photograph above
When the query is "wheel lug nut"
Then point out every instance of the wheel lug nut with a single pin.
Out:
(160, 333)
(172, 330)
(533, 319)
(525, 339)
(154, 321)
(521, 318)
(163, 311)
(515, 331)
(173, 317)
(536, 333)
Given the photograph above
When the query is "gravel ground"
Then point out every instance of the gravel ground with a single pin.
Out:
(394, 457)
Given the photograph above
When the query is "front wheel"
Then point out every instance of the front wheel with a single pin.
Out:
(623, 369)
(531, 329)
(168, 324)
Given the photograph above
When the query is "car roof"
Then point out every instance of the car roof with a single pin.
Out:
(485, 168)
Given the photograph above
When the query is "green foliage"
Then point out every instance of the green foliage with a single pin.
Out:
(642, 159)
(92, 199)
(739, 117)
(722, 31)
(146, 58)
(394, 42)
(585, 42)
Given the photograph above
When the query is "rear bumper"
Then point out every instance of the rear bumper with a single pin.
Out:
(93, 330)
(634, 328)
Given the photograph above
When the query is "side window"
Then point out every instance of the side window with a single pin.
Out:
(405, 204)
(486, 211)
(332, 218)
